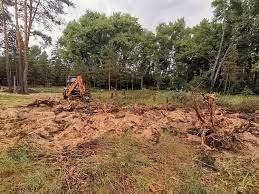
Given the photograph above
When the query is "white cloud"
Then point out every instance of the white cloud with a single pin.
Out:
(149, 12)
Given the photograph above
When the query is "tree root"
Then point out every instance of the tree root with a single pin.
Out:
(37, 103)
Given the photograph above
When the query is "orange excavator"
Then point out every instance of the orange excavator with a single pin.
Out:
(76, 89)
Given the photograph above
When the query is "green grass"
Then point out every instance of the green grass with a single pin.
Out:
(49, 90)
(239, 175)
(12, 100)
(239, 103)
(148, 97)
(119, 168)
(20, 172)
(125, 164)
(236, 103)
(130, 165)
(135, 166)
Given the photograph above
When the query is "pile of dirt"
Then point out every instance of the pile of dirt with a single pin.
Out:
(67, 125)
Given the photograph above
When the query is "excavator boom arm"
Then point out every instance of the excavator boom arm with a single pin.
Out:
(78, 82)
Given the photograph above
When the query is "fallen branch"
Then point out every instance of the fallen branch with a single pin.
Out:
(37, 103)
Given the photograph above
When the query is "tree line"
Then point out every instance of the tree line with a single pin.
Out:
(21, 19)
(115, 51)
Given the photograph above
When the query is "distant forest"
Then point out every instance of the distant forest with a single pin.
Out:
(115, 51)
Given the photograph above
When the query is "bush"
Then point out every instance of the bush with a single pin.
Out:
(247, 91)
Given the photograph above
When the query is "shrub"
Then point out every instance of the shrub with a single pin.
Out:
(247, 91)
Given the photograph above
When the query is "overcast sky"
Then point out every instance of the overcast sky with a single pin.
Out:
(149, 12)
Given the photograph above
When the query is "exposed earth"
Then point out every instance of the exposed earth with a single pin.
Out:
(86, 142)
(66, 125)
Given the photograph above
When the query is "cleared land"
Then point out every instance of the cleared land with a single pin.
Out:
(134, 142)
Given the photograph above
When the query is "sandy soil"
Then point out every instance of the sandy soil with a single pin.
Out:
(68, 125)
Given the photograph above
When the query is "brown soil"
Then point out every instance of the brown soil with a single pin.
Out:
(66, 125)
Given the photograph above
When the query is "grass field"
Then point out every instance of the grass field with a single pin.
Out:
(124, 164)
(237, 103)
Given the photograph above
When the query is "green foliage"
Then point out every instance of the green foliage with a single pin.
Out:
(239, 103)
(174, 57)
(8, 100)
(124, 162)
(21, 154)
(201, 81)
(39, 67)
(241, 28)
(89, 41)
(247, 91)
(45, 72)
(20, 173)
(2, 71)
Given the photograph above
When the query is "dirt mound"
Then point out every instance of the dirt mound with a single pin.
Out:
(67, 125)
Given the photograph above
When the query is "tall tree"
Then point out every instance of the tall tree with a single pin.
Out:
(25, 47)
(239, 28)
(19, 47)
(90, 39)
(4, 16)
(44, 13)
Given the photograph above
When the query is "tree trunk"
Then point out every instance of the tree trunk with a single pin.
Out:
(27, 30)
(219, 53)
(218, 88)
(19, 48)
(8, 72)
(16, 67)
(226, 84)
(229, 85)
(220, 65)
(158, 84)
(255, 82)
(132, 83)
(32, 14)
(26, 65)
(109, 80)
(142, 84)
(14, 84)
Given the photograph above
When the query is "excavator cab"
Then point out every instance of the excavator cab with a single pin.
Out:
(75, 88)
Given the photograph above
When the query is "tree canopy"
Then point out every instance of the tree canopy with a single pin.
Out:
(116, 51)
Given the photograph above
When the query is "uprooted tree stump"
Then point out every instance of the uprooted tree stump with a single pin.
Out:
(211, 138)
(206, 118)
